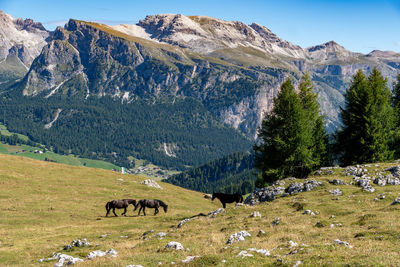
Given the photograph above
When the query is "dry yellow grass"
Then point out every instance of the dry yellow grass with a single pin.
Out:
(44, 206)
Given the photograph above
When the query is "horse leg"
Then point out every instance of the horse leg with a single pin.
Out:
(155, 211)
(144, 211)
(139, 210)
(124, 213)
(114, 212)
(108, 211)
(224, 205)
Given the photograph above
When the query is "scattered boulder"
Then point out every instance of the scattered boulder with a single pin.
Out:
(98, 253)
(255, 214)
(338, 242)
(260, 251)
(394, 170)
(174, 245)
(308, 185)
(134, 265)
(189, 259)
(63, 259)
(151, 183)
(214, 213)
(211, 214)
(337, 182)
(396, 201)
(67, 247)
(261, 233)
(276, 221)
(160, 235)
(244, 253)
(292, 244)
(336, 192)
(207, 196)
(297, 264)
(236, 237)
(309, 212)
(264, 194)
(80, 243)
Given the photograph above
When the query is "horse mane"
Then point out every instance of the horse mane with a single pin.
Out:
(161, 203)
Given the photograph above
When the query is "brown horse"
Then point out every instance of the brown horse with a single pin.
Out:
(119, 204)
(227, 198)
(155, 204)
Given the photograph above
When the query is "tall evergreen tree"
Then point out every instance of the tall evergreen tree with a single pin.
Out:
(368, 120)
(396, 106)
(315, 122)
(283, 148)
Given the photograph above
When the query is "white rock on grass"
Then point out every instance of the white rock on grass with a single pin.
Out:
(244, 253)
(80, 243)
(151, 183)
(396, 201)
(336, 192)
(298, 263)
(134, 265)
(236, 237)
(174, 245)
(189, 259)
(214, 213)
(339, 242)
(260, 251)
(255, 214)
(99, 253)
(160, 235)
(292, 244)
(63, 259)
(276, 221)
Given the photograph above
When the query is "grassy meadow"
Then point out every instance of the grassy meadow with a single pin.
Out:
(46, 205)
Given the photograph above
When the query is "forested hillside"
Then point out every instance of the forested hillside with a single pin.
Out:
(171, 133)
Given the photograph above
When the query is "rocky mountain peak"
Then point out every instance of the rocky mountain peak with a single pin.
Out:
(22, 38)
(28, 25)
(329, 51)
(383, 54)
(330, 46)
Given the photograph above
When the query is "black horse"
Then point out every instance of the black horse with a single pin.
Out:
(227, 198)
(119, 204)
(155, 204)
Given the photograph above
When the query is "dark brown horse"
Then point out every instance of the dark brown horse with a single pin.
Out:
(119, 204)
(154, 204)
(227, 198)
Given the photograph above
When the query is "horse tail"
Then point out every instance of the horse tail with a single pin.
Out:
(108, 205)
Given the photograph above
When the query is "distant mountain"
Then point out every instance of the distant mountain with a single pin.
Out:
(230, 69)
(20, 43)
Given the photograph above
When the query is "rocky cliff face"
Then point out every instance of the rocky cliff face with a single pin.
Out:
(232, 68)
(22, 38)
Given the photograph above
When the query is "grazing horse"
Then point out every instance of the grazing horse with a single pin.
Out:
(119, 204)
(155, 204)
(227, 198)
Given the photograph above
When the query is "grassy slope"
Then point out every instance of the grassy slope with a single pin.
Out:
(47, 205)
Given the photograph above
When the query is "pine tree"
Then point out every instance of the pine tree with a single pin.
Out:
(315, 122)
(284, 144)
(368, 120)
(396, 107)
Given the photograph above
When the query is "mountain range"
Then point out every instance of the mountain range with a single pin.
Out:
(231, 70)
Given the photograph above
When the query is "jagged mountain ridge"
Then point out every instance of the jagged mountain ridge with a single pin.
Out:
(21, 41)
(22, 38)
(186, 46)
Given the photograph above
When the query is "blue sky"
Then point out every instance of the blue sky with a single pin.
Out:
(358, 25)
